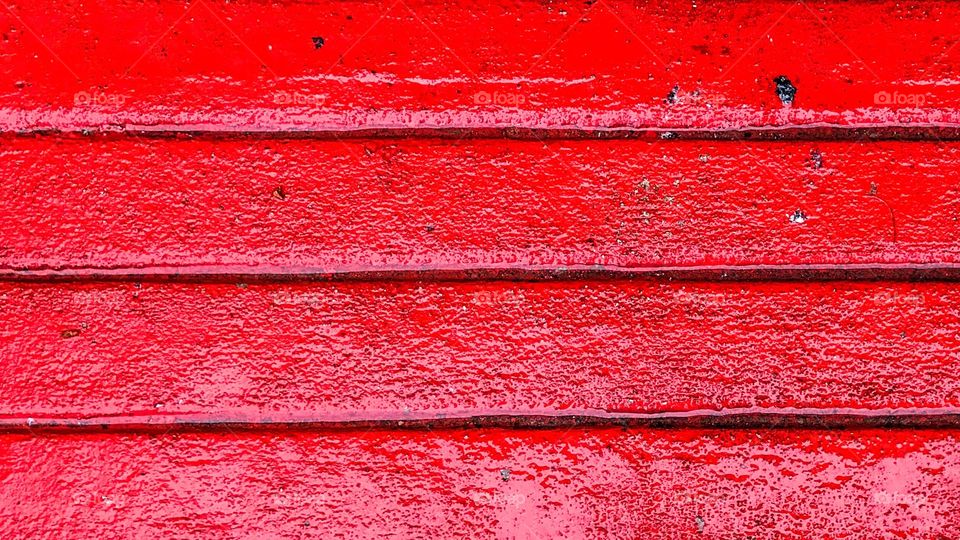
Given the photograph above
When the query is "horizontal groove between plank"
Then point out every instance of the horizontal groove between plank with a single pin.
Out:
(748, 419)
(271, 274)
(814, 132)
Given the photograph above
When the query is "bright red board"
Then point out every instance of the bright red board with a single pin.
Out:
(164, 207)
(483, 484)
(388, 351)
(253, 65)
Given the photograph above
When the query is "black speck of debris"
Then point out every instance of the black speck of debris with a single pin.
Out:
(816, 159)
(505, 474)
(873, 190)
(786, 91)
(672, 96)
(431, 228)
(280, 193)
(798, 217)
(700, 524)
(317, 42)
(666, 135)
(71, 333)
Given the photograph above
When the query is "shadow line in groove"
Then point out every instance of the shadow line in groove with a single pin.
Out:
(842, 419)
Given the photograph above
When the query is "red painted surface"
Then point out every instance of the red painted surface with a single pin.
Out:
(253, 65)
(484, 484)
(217, 335)
(303, 206)
(372, 351)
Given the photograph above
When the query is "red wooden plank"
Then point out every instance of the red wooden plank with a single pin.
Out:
(518, 484)
(298, 206)
(335, 352)
(611, 64)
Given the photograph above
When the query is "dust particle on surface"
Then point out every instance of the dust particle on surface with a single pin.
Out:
(798, 217)
(505, 474)
(280, 193)
(786, 91)
(816, 159)
(672, 95)
(71, 333)
(317, 42)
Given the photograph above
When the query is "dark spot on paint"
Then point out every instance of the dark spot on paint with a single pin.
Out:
(786, 91)
(505, 474)
(668, 135)
(702, 49)
(672, 95)
(816, 159)
(71, 333)
(798, 217)
(280, 193)
(431, 228)
(317, 42)
(873, 190)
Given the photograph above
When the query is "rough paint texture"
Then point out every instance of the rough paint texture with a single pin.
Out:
(301, 205)
(230, 330)
(484, 484)
(254, 65)
(335, 351)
